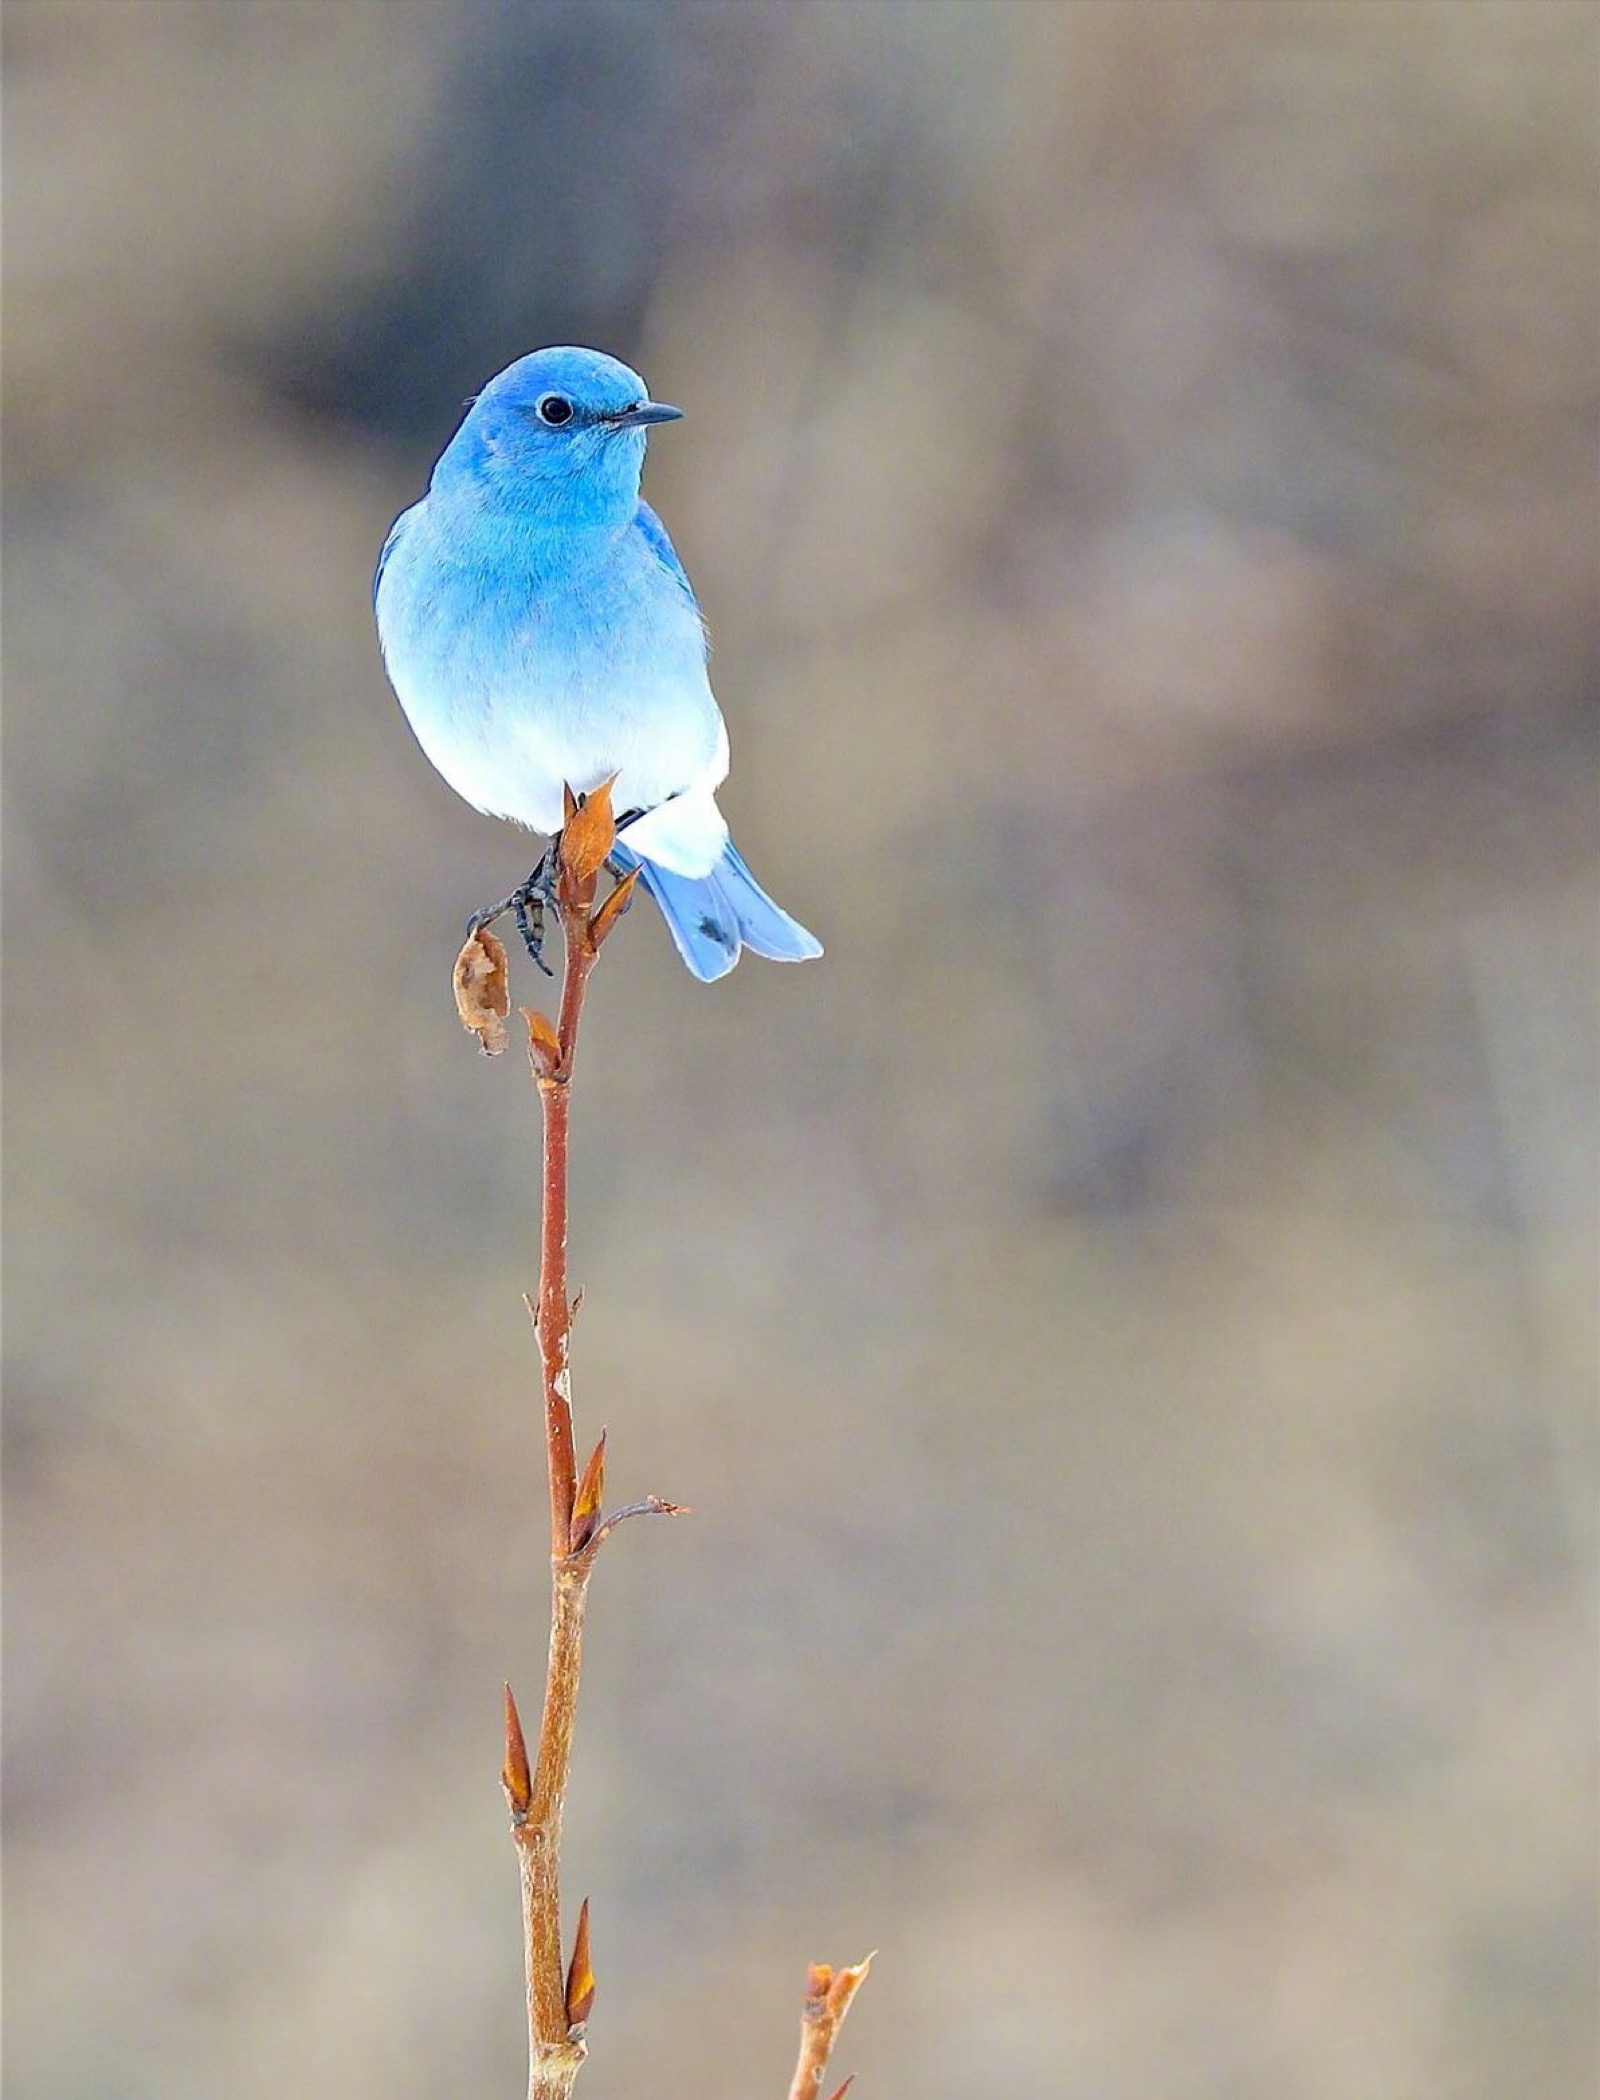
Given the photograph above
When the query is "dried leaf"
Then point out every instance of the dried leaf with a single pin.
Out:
(613, 908)
(589, 835)
(580, 1976)
(514, 1775)
(544, 1045)
(586, 1505)
(483, 990)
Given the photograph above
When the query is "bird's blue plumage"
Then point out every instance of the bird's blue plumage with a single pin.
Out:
(713, 917)
(541, 633)
(394, 533)
(655, 533)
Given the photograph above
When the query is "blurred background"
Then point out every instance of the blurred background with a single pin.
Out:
(1125, 1323)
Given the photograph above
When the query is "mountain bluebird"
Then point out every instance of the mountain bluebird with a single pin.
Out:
(540, 632)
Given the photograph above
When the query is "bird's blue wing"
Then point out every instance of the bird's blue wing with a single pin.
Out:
(654, 534)
(389, 545)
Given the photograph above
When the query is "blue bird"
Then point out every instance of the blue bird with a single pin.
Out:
(540, 632)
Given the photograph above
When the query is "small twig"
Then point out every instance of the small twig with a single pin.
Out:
(829, 1993)
(559, 1993)
(651, 1506)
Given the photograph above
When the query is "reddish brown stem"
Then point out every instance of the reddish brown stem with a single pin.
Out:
(554, 2051)
(553, 1319)
(559, 1997)
(555, 2030)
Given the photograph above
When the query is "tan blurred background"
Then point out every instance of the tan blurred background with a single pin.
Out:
(1125, 1322)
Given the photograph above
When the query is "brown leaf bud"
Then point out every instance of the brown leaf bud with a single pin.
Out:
(544, 1045)
(613, 907)
(580, 1976)
(589, 835)
(514, 1775)
(586, 1505)
(846, 1982)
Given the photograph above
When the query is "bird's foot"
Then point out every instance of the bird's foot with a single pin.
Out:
(527, 906)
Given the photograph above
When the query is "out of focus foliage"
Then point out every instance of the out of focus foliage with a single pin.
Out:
(1134, 1299)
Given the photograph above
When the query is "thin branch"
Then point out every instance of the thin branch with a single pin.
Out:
(552, 1320)
(554, 2051)
(560, 1995)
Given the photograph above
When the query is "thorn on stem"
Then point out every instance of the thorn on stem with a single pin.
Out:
(515, 1776)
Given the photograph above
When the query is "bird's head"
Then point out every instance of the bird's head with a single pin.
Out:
(564, 428)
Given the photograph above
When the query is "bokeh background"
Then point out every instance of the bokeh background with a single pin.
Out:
(1125, 1322)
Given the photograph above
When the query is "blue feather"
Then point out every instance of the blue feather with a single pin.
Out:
(712, 917)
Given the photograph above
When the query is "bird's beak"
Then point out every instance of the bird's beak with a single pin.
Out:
(645, 412)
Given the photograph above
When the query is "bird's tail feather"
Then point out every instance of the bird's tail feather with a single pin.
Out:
(711, 917)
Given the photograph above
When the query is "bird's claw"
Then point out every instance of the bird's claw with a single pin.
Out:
(527, 906)
(530, 924)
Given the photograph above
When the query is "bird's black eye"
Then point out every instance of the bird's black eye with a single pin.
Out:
(554, 409)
